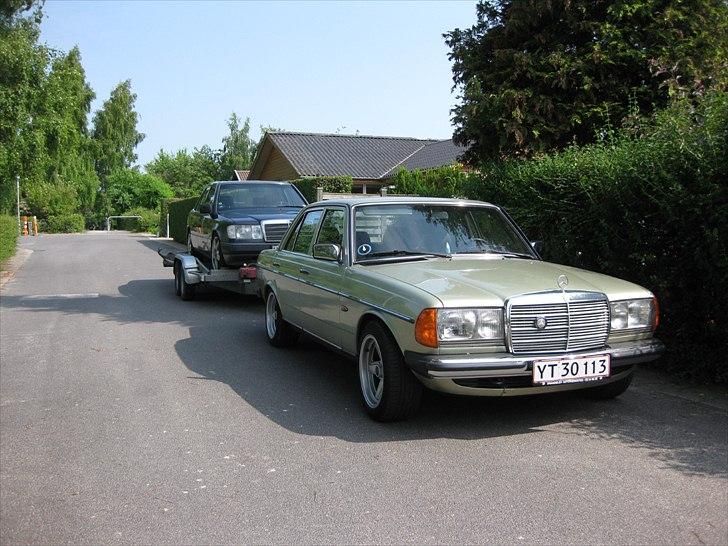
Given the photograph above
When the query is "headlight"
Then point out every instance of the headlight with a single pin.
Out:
(634, 314)
(435, 325)
(245, 232)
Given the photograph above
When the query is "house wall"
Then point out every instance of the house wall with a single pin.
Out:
(277, 167)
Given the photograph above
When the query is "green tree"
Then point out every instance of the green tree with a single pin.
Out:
(237, 147)
(127, 189)
(536, 75)
(115, 132)
(186, 173)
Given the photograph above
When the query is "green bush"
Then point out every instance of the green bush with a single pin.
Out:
(62, 223)
(128, 189)
(148, 223)
(8, 236)
(178, 211)
(333, 184)
(447, 181)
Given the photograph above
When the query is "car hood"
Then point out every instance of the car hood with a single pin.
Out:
(489, 281)
(246, 216)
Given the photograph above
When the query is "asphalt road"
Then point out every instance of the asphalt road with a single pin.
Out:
(130, 416)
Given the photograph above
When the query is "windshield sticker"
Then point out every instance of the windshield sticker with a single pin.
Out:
(364, 249)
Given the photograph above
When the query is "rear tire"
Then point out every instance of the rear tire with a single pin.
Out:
(182, 288)
(390, 391)
(280, 333)
(610, 390)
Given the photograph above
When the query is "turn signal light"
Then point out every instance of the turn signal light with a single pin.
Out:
(426, 328)
(656, 307)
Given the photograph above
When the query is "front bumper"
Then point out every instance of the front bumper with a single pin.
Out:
(240, 253)
(504, 373)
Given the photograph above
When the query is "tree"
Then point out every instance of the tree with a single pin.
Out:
(127, 189)
(237, 147)
(186, 173)
(536, 75)
(115, 132)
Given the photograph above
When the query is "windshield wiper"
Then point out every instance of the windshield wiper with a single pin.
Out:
(389, 253)
(504, 254)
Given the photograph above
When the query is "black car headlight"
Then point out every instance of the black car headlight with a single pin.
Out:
(248, 231)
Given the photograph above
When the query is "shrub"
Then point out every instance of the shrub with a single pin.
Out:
(447, 181)
(62, 223)
(127, 189)
(178, 211)
(149, 221)
(8, 236)
(333, 184)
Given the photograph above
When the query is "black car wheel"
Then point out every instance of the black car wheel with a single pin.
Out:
(390, 392)
(190, 248)
(216, 257)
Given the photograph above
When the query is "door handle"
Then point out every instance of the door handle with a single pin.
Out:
(276, 264)
(304, 271)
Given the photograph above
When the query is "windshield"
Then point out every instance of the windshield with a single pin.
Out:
(434, 229)
(247, 195)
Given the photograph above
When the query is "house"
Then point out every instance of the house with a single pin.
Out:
(240, 176)
(370, 160)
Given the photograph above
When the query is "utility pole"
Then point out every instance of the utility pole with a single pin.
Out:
(17, 197)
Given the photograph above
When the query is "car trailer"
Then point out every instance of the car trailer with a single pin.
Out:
(190, 272)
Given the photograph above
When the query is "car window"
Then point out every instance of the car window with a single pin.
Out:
(250, 194)
(306, 232)
(332, 228)
(211, 197)
(204, 198)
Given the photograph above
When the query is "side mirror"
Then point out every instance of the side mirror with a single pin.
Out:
(331, 253)
(205, 208)
(537, 246)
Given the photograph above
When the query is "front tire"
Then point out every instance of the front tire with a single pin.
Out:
(216, 257)
(610, 390)
(390, 392)
(280, 333)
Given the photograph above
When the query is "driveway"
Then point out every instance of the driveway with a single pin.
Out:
(130, 416)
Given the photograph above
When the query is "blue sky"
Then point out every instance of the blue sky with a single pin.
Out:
(375, 67)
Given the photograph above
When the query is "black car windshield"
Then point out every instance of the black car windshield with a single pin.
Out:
(248, 194)
(405, 229)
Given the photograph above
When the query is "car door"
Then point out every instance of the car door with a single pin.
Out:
(195, 219)
(320, 296)
(207, 221)
(289, 262)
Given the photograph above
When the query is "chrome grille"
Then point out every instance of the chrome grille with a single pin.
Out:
(273, 231)
(574, 321)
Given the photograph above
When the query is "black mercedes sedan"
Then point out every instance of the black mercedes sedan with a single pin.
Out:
(233, 221)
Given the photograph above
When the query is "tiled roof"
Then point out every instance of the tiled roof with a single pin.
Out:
(436, 154)
(359, 156)
(241, 175)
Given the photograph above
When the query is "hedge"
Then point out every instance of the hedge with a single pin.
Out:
(178, 211)
(333, 184)
(8, 236)
(649, 206)
(163, 211)
(62, 223)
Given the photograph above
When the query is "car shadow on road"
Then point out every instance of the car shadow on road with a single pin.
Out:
(310, 390)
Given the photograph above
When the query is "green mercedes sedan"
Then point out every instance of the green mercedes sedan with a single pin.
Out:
(450, 295)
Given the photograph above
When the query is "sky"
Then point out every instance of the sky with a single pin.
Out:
(377, 68)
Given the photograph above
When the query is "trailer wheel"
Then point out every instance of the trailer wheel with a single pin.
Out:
(182, 288)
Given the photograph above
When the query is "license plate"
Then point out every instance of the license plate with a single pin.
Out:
(572, 370)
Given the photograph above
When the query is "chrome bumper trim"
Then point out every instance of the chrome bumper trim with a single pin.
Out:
(506, 365)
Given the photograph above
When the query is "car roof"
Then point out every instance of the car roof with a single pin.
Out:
(243, 182)
(388, 200)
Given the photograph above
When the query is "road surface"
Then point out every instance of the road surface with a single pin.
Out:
(130, 416)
